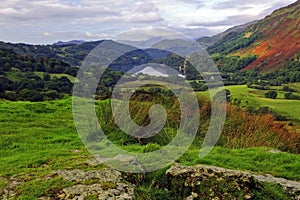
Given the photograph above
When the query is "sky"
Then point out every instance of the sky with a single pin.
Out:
(48, 21)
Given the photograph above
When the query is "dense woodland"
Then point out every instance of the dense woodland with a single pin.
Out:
(20, 79)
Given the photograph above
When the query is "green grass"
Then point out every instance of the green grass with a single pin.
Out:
(38, 138)
(41, 75)
(33, 134)
(35, 188)
(255, 98)
(259, 160)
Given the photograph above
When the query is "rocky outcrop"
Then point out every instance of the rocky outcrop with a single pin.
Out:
(180, 182)
(206, 182)
(292, 187)
(99, 184)
(94, 184)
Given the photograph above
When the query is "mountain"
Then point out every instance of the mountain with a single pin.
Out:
(72, 54)
(178, 46)
(207, 41)
(143, 44)
(76, 42)
(274, 41)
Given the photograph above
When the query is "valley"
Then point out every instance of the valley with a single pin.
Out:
(44, 156)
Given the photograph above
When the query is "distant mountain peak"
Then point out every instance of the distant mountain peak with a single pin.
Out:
(72, 42)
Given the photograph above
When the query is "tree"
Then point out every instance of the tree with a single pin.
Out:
(288, 95)
(291, 96)
(46, 77)
(271, 95)
(287, 89)
(10, 95)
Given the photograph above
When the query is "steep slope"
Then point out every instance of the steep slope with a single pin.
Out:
(275, 40)
(207, 41)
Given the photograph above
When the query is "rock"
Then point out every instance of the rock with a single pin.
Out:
(44, 198)
(61, 195)
(104, 184)
(75, 151)
(219, 183)
(292, 187)
(274, 151)
(104, 175)
(211, 182)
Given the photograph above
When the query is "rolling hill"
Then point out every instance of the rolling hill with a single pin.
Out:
(71, 53)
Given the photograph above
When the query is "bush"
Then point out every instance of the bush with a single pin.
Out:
(10, 95)
(287, 89)
(271, 95)
(30, 95)
(52, 94)
(291, 96)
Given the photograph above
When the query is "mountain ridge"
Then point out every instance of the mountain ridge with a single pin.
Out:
(275, 45)
(208, 41)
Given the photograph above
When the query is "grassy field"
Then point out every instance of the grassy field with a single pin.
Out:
(41, 75)
(33, 134)
(38, 138)
(255, 98)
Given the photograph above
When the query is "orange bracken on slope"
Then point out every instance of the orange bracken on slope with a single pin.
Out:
(280, 41)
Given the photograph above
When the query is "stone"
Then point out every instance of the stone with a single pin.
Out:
(208, 181)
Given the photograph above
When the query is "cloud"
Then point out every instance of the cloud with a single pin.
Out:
(277, 5)
(196, 32)
(47, 34)
(150, 17)
(229, 21)
(97, 36)
(145, 7)
(232, 12)
(42, 21)
(237, 4)
(140, 34)
(26, 10)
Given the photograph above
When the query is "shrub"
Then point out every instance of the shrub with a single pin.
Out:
(271, 95)
(291, 96)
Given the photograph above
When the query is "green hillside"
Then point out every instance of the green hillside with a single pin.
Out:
(266, 52)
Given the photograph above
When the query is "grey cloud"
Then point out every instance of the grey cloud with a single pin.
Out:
(146, 7)
(195, 32)
(38, 12)
(197, 2)
(81, 19)
(236, 4)
(150, 17)
(229, 21)
(250, 4)
(276, 6)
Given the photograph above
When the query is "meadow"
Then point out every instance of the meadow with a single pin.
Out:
(39, 138)
(255, 98)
